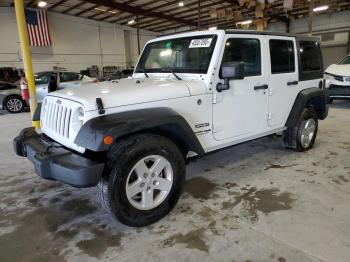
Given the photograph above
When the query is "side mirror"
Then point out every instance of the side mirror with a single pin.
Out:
(228, 71)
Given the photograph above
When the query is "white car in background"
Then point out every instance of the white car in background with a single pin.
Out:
(45, 82)
(337, 78)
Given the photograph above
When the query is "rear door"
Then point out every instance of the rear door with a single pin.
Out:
(283, 78)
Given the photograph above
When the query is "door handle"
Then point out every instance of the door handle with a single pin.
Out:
(261, 87)
(292, 83)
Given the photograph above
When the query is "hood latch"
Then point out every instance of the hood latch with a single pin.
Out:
(99, 105)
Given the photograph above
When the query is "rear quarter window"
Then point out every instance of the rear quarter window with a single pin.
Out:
(310, 56)
(310, 59)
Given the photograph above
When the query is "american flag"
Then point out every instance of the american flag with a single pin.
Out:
(38, 27)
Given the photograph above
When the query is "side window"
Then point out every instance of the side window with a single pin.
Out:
(68, 76)
(310, 56)
(43, 78)
(244, 50)
(282, 56)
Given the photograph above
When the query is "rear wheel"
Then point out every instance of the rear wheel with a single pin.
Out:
(13, 104)
(302, 136)
(143, 180)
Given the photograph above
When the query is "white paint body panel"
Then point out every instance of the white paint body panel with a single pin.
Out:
(241, 112)
(281, 95)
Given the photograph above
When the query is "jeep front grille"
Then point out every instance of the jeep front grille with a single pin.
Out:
(57, 118)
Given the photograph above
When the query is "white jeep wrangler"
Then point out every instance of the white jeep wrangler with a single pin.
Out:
(190, 94)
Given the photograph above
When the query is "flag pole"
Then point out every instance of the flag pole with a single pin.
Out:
(27, 59)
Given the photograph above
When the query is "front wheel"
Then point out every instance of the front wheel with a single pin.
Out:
(13, 104)
(302, 137)
(143, 180)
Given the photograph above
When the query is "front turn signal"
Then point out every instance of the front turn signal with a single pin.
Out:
(108, 140)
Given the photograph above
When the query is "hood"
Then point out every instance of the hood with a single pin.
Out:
(130, 91)
(340, 70)
(10, 91)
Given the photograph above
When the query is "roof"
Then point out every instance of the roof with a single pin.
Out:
(235, 31)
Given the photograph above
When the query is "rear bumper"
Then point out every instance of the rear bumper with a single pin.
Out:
(54, 162)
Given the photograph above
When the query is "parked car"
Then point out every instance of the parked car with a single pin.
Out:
(45, 82)
(337, 77)
(125, 73)
(190, 94)
(9, 77)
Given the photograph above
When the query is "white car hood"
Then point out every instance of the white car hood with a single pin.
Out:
(340, 70)
(130, 91)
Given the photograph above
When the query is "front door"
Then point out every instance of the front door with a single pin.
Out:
(241, 111)
(283, 78)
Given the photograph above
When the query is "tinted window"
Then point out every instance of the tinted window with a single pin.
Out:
(282, 56)
(42, 78)
(244, 50)
(345, 61)
(310, 56)
(67, 76)
(181, 55)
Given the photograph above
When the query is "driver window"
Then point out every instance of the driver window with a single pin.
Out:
(245, 50)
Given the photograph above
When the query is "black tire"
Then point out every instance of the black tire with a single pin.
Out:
(292, 137)
(14, 109)
(122, 158)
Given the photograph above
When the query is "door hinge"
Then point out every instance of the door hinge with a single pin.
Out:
(217, 98)
(217, 128)
(269, 116)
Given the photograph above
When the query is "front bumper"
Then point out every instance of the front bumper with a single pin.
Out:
(339, 91)
(54, 162)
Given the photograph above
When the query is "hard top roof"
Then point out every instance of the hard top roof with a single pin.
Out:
(238, 31)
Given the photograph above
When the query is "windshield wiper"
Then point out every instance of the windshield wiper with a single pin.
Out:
(171, 71)
(143, 71)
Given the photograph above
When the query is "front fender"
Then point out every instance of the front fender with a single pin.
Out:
(162, 120)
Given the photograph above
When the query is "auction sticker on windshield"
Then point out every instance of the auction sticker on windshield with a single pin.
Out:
(204, 42)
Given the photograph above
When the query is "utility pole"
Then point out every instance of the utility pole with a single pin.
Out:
(27, 59)
(199, 14)
(138, 34)
(311, 14)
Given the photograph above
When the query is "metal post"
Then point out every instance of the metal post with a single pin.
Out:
(260, 24)
(348, 46)
(27, 59)
(138, 34)
(288, 26)
(311, 13)
(199, 14)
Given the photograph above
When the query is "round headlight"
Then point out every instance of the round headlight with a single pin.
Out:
(78, 119)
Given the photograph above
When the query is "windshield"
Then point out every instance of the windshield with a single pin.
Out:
(180, 55)
(345, 61)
